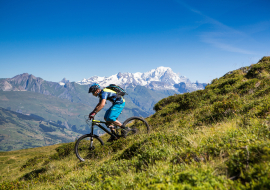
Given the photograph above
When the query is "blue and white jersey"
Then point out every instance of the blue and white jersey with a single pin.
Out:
(111, 95)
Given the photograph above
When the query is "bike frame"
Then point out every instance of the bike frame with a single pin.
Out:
(97, 123)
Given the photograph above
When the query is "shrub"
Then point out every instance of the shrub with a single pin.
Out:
(244, 158)
(33, 174)
(227, 107)
(247, 86)
(33, 161)
(63, 151)
(185, 101)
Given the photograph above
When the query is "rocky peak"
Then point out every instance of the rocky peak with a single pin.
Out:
(64, 81)
(25, 77)
(22, 82)
(119, 75)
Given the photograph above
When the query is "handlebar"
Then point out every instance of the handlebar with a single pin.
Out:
(87, 119)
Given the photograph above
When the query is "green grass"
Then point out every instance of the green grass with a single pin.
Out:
(217, 138)
(12, 162)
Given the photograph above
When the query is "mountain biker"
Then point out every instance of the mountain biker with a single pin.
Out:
(111, 115)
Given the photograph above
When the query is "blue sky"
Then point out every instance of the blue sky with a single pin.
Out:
(201, 40)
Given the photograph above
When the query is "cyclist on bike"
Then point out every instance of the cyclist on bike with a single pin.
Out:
(111, 115)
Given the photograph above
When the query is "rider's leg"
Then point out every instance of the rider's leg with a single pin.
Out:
(110, 125)
(112, 138)
(113, 113)
(117, 123)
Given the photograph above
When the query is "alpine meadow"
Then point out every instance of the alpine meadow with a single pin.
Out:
(216, 138)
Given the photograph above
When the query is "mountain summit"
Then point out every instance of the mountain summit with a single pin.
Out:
(63, 81)
(161, 78)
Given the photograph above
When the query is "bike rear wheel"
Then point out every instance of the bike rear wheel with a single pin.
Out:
(137, 125)
(85, 145)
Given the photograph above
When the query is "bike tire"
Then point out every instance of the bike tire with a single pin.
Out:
(83, 147)
(137, 124)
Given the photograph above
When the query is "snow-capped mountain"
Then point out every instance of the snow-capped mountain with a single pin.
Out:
(63, 81)
(161, 78)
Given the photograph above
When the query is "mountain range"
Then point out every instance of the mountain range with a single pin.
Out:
(61, 107)
(161, 78)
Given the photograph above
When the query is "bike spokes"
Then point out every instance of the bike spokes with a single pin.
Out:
(137, 126)
(85, 146)
(88, 146)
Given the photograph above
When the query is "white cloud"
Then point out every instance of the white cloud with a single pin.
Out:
(258, 27)
(220, 35)
(226, 47)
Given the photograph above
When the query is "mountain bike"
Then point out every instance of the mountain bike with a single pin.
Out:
(89, 142)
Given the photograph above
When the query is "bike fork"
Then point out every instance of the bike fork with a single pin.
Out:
(91, 139)
(92, 147)
(91, 143)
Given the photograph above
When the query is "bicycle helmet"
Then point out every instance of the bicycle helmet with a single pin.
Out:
(93, 87)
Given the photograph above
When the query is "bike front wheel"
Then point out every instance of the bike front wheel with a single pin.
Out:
(85, 146)
(137, 125)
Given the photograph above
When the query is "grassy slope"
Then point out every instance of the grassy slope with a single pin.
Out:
(217, 138)
(11, 162)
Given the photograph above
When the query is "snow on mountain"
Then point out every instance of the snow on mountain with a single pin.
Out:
(161, 78)
(63, 81)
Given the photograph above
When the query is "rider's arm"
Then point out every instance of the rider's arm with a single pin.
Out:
(100, 105)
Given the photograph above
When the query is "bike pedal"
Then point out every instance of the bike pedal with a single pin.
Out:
(111, 139)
